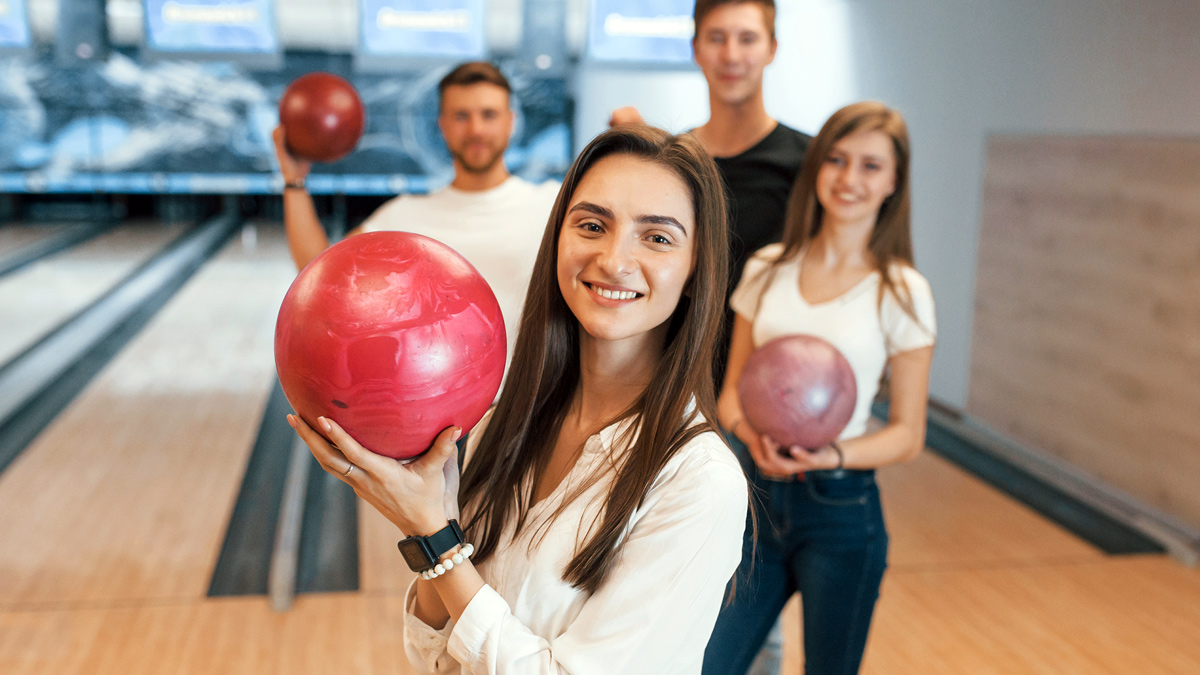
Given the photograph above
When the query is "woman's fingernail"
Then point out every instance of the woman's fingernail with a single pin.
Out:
(325, 424)
(457, 434)
(291, 421)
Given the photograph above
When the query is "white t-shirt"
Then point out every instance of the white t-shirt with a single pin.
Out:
(497, 230)
(866, 333)
(656, 610)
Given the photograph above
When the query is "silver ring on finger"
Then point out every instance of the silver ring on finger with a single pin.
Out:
(348, 470)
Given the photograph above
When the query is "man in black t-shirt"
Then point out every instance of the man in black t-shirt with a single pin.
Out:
(757, 156)
(758, 183)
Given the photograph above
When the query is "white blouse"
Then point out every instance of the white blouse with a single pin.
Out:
(865, 332)
(656, 609)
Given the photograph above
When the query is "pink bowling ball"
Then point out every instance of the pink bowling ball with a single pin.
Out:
(799, 390)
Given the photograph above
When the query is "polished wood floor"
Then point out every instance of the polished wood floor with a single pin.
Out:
(110, 525)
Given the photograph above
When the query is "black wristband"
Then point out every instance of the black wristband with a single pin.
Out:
(446, 538)
(422, 553)
(294, 185)
(841, 457)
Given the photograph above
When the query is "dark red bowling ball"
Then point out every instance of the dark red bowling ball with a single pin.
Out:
(799, 390)
(394, 336)
(322, 117)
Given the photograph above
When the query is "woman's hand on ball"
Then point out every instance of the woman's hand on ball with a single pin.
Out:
(821, 459)
(418, 496)
(770, 460)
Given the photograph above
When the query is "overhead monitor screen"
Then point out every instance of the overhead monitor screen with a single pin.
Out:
(198, 26)
(657, 32)
(423, 28)
(14, 25)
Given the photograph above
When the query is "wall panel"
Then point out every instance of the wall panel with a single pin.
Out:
(1086, 340)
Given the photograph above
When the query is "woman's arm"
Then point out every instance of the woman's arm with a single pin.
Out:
(305, 234)
(903, 437)
(429, 607)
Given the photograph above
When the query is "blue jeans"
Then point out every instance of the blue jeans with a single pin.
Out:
(823, 537)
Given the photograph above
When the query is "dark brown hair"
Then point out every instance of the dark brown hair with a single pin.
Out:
(891, 238)
(474, 72)
(498, 483)
(704, 7)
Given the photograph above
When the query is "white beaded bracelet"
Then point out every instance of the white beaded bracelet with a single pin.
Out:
(448, 564)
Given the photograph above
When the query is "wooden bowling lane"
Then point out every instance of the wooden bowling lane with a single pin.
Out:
(1129, 614)
(35, 299)
(330, 633)
(125, 497)
(942, 517)
(978, 583)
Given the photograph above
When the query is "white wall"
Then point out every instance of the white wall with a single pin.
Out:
(959, 70)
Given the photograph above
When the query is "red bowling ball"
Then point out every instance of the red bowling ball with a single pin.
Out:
(322, 117)
(799, 390)
(394, 336)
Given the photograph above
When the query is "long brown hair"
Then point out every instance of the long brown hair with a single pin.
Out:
(891, 238)
(498, 482)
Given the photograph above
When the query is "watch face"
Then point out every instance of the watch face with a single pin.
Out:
(415, 555)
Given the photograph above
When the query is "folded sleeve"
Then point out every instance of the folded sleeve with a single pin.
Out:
(755, 275)
(903, 332)
(424, 645)
(656, 610)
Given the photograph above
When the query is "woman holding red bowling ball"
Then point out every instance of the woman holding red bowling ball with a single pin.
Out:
(844, 273)
(599, 514)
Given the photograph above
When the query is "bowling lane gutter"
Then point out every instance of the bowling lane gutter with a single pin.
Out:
(37, 384)
(309, 528)
(952, 438)
(294, 527)
(33, 252)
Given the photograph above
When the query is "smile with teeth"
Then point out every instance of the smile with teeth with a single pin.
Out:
(613, 295)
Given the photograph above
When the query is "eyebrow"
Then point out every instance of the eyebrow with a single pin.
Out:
(869, 158)
(605, 212)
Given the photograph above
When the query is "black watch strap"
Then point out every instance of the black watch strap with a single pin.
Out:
(422, 553)
(445, 539)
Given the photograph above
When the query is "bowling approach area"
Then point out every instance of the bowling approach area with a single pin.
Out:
(136, 510)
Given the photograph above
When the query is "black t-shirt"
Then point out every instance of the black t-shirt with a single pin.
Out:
(758, 182)
(757, 185)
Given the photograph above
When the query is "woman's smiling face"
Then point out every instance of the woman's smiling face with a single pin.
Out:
(856, 177)
(627, 247)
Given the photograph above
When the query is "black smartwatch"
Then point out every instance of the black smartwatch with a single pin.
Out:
(422, 553)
